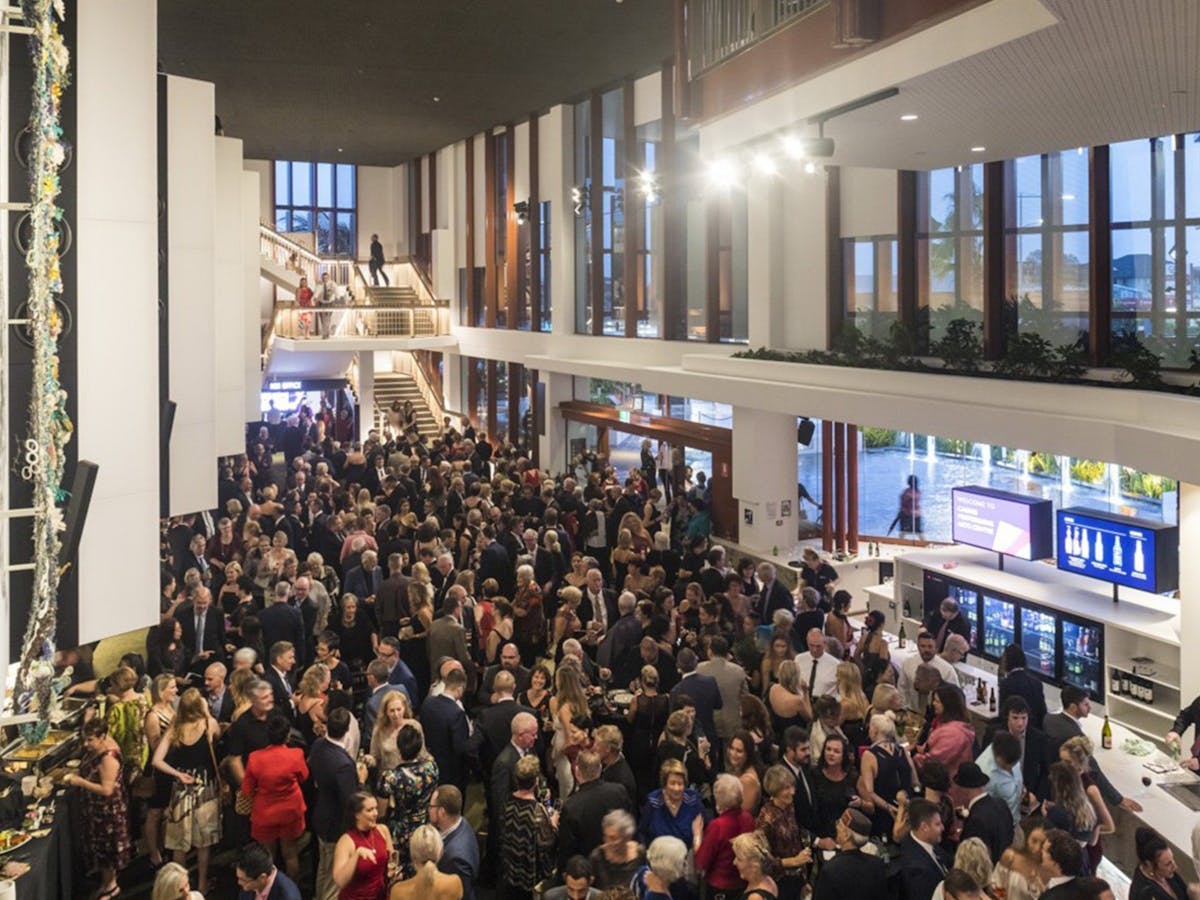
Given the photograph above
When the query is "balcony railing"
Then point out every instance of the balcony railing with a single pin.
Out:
(717, 29)
(295, 256)
(346, 320)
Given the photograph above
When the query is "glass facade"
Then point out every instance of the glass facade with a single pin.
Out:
(871, 290)
(612, 211)
(650, 258)
(950, 247)
(583, 217)
(320, 197)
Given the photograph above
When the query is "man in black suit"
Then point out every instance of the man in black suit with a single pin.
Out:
(797, 756)
(614, 767)
(988, 819)
(283, 622)
(447, 731)
(523, 729)
(852, 874)
(946, 621)
(579, 825)
(773, 595)
(443, 577)
(494, 722)
(1062, 726)
(808, 616)
(599, 605)
(279, 676)
(704, 692)
(494, 562)
(391, 603)
(921, 865)
(335, 779)
(510, 661)
(1020, 682)
(203, 630)
(1062, 861)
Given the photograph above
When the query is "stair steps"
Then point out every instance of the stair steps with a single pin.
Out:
(390, 387)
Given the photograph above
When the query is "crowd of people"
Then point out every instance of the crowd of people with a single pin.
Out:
(426, 668)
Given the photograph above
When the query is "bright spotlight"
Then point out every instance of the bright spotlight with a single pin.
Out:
(764, 164)
(722, 173)
(810, 168)
(793, 146)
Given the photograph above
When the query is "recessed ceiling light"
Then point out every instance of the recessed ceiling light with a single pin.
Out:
(1068, 196)
(437, 99)
(339, 149)
(908, 117)
(978, 149)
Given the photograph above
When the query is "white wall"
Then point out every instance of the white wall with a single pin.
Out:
(251, 340)
(804, 247)
(116, 323)
(266, 203)
(764, 477)
(230, 299)
(868, 202)
(400, 216)
(376, 209)
(647, 99)
(191, 185)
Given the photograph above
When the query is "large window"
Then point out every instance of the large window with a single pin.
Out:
(612, 210)
(1155, 186)
(583, 217)
(650, 257)
(1047, 239)
(950, 236)
(320, 197)
(871, 293)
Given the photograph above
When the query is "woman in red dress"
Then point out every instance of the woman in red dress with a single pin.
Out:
(273, 777)
(304, 299)
(361, 855)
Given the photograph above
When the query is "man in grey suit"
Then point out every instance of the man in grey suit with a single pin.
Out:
(447, 637)
(731, 680)
(704, 692)
(1062, 726)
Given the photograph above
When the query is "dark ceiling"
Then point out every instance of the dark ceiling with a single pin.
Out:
(301, 79)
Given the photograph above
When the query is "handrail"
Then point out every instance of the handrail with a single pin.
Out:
(409, 366)
(297, 258)
(717, 29)
(353, 320)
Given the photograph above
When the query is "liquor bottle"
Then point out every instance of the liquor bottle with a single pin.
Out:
(1106, 735)
(903, 637)
(1124, 682)
(980, 692)
(1150, 692)
(1114, 683)
(992, 701)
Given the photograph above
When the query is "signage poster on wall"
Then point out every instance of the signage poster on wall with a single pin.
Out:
(785, 508)
(748, 516)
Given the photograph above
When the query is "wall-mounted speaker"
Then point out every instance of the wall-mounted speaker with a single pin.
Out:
(805, 431)
(77, 506)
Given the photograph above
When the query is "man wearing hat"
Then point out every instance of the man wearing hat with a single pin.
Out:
(852, 874)
(987, 818)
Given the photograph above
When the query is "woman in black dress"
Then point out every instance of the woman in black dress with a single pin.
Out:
(834, 785)
(354, 631)
(648, 715)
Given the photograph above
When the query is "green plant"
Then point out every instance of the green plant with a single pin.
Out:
(1143, 367)
(1043, 463)
(961, 347)
(1088, 471)
(1144, 484)
(1026, 356)
(954, 447)
(1070, 362)
(875, 438)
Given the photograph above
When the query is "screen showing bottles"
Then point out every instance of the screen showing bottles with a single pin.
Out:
(999, 625)
(1008, 523)
(1131, 552)
(1039, 633)
(1083, 655)
(968, 606)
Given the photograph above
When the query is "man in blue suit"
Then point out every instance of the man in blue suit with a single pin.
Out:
(703, 690)
(258, 877)
(399, 674)
(447, 731)
(460, 846)
(336, 778)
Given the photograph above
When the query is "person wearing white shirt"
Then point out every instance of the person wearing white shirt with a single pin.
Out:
(817, 668)
(1001, 762)
(908, 669)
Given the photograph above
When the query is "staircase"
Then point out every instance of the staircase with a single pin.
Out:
(392, 296)
(390, 387)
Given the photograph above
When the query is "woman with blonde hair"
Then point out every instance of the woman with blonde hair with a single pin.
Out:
(414, 631)
(425, 849)
(973, 858)
(395, 711)
(787, 699)
(1077, 753)
(172, 883)
(310, 702)
(568, 704)
(566, 620)
(854, 703)
(237, 689)
(163, 692)
(755, 864)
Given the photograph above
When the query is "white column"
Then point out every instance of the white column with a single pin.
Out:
(764, 478)
(229, 302)
(556, 174)
(452, 383)
(366, 394)
(552, 446)
(252, 342)
(1189, 587)
(764, 262)
(191, 186)
(116, 310)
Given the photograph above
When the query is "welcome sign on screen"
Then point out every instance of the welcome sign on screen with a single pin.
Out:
(1006, 523)
(1117, 549)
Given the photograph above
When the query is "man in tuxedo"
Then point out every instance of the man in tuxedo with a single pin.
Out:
(279, 675)
(501, 780)
(1018, 681)
(447, 731)
(258, 879)
(1061, 726)
(616, 649)
(363, 580)
(510, 661)
(443, 577)
(852, 874)
(921, 865)
(808, 616)
(494, 562)
(203, 630)
(1062, 861)
(773, 595)
(797, 756)
(599, 605)
(377, 684)
(988, 819)
(704, 693)
(335, 779)
(281, 621)
(391, 603)
(460, 846)
(220, 700)
(579, 825)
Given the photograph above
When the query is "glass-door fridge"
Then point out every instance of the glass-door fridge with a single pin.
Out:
(1083, 656)
(1039, 640)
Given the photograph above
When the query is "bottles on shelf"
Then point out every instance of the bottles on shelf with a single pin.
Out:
(1132, 686)
(1114, 683)
(1106, 735)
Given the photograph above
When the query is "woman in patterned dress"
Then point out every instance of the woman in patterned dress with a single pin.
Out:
(528, 837)
(107, 843)
(408, 788)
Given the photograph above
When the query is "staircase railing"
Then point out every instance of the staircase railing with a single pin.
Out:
(350, 320)
(288, 253)
(406, 364)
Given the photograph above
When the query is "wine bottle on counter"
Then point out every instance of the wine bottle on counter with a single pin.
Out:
(1106, 735)
(992, 701)
(1114, 683)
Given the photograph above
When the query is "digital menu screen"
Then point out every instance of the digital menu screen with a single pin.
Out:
(1007, 523)
(1131, 552)
(1039, 635)
(999, 625)
(1083, 655)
